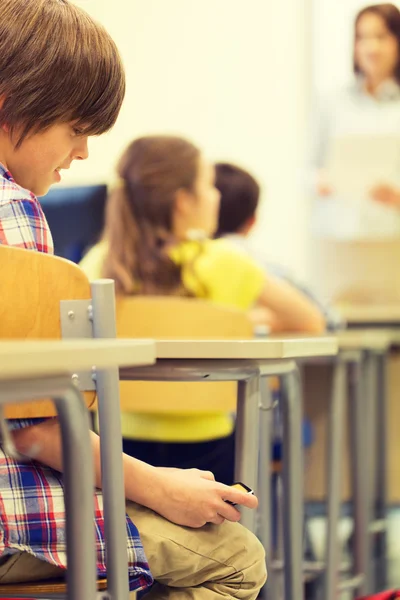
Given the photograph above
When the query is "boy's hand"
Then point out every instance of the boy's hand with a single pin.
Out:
(193, 498)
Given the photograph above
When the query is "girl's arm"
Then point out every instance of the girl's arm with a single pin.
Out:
(283, 308)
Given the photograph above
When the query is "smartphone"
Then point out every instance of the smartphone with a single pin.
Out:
(243, 488)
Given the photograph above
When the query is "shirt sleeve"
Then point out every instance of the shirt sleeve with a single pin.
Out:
(226, 275)
(15, 424)
(23, 224)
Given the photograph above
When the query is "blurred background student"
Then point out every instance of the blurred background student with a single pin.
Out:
(157, 241)
(357, 170)
(239, 203)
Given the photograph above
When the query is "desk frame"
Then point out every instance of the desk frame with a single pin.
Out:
(249, 373)
(359, 385)
(77, 456)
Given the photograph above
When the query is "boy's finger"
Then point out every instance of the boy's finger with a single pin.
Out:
(235, 496)
(229, 512)
(207, 475)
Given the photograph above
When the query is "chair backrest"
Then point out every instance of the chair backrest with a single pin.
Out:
(178, 318)
(32, 286)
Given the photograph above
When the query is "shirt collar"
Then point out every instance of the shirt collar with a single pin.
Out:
(387, 91)
(6, 173)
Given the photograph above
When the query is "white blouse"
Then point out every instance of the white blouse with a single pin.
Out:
(354, 114)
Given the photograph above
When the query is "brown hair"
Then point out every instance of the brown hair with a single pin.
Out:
(139, 215)
(57, 65)
(240, 194)
(391, 16)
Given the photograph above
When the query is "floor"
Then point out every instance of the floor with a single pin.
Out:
(316, 528)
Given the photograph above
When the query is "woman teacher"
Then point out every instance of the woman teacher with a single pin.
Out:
(357, 158)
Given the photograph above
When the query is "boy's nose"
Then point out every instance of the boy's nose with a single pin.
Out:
(82, 153)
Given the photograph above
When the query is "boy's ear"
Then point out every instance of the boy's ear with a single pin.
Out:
(252, 221)
(4, 127)
(248, 226)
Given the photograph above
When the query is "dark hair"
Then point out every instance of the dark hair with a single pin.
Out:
(139, 213)
(240, 194)
(391, 16)
(57, 65)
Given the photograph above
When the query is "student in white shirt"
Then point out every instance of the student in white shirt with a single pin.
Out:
(239, 201)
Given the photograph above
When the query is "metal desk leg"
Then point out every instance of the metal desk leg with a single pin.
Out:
(247, 442)
(380, 496)
(104, 326)
(264, 483)
(291, 403)
(334, 460)
(358, 445)
(376, 395)
(370, 380)
(79, 486)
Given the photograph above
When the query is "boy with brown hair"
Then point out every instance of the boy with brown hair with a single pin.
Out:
(61, 81)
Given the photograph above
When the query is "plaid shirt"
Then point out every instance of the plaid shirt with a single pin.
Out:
(32, 513)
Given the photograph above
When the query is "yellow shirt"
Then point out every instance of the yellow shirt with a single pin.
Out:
(213, 270)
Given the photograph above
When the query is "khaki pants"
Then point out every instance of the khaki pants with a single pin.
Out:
(224, 561)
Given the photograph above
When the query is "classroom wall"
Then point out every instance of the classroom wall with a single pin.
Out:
(232, 76)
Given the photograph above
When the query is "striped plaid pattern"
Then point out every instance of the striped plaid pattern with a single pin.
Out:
(32, 512)
(22, 221)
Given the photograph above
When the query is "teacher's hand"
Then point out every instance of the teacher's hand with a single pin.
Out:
(323, 186)
(386, 194)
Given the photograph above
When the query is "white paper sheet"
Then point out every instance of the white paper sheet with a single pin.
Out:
(355, 166)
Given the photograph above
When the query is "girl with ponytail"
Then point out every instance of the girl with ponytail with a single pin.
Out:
(157, 240)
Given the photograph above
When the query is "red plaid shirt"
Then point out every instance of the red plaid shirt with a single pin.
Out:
(32, 514)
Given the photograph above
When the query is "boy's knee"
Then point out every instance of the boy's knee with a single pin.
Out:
(253, 562)
(246, 556)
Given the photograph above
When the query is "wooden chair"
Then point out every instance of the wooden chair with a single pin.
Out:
(34, 286)
(43, 281)
(178, 318)
(41, 589)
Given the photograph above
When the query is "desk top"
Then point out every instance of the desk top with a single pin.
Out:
(388, 314)
(367, 339)
(28, 358)
(275, 347)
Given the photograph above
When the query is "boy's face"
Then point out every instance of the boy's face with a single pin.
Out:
(36, 164)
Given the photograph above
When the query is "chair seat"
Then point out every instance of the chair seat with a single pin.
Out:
(41, 588)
